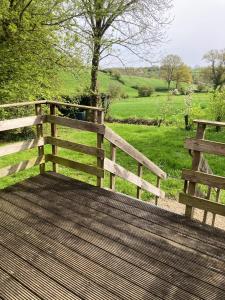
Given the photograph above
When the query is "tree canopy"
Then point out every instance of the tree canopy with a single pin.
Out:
(103, 24)
(33, 45)
(173, 69)
(215, 73)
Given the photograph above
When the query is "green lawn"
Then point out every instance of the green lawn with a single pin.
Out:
(163, 145)
(73, 84)
(157, 107)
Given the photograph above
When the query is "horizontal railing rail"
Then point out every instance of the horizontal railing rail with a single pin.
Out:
(115, 169)
(58, 103)
(98, 127)
(199, 175)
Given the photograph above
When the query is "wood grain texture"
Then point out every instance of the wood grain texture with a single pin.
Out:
(203, 178)
(54, 135)
(196, 162)
(94, 108)
(203, 204)
(75, 165)
(21, 122)
(112, 179)
(76, 124)
(205, 146)
(64, 243)
(18, 104)
(139, 174)
(118, 170)
(75, 147)
(118, 141)
(100, 141)
(40, 134)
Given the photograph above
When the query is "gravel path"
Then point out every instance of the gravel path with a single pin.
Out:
(175, 206)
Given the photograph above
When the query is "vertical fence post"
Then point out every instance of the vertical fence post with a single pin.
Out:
(39, 129)
(158, 186)
(140, 173)
(113, 158)
(100, 139)
(54, 134)
(217, 201)
(205, 211)
(196, 160)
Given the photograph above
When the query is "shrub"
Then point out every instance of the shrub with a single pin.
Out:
(114, 90)
(201, 88)
(145, 91)
(116, 75)
(217, 105)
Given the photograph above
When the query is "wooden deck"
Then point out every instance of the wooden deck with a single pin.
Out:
(61, 239)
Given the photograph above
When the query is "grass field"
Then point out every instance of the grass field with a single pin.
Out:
(163, 145)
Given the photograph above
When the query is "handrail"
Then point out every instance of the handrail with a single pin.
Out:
(59, 103)
(9, 105)
(76, 105)
(210, 123)
(98, 127)
(122, 144)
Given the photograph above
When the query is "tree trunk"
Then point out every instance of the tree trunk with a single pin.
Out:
(169, 82)
(94, 74)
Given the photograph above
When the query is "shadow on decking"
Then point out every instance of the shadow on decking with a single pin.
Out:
(63, 239)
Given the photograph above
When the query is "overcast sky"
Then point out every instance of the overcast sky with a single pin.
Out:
(198, 26)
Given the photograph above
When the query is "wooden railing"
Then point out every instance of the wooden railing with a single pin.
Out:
(97, 126)
(196, 176)
(115, 169)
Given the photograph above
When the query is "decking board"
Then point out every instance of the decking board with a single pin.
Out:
(87, 200)
(153, 213)
(88, 243)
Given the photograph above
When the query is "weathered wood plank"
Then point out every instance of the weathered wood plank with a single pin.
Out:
(81, 125)
(18, 104)
(205, 146)
(75, 165)
(24, 165)
(202, 204)
(211, 123)
(158, 183)
(118, 141)
(112, 179)
(140, 173)
(118, 170)
(75, 147)
(217, 201)
(54, 135)
(100, 140)
(21, 146)
(40, 134)
(32, 278)
(11, 289)
(94, 108)
(21, 122)
(204, 178)
(196, 162)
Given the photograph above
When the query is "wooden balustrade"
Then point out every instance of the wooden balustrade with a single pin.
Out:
(97, 127)
(200, 175)
(115, 169)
